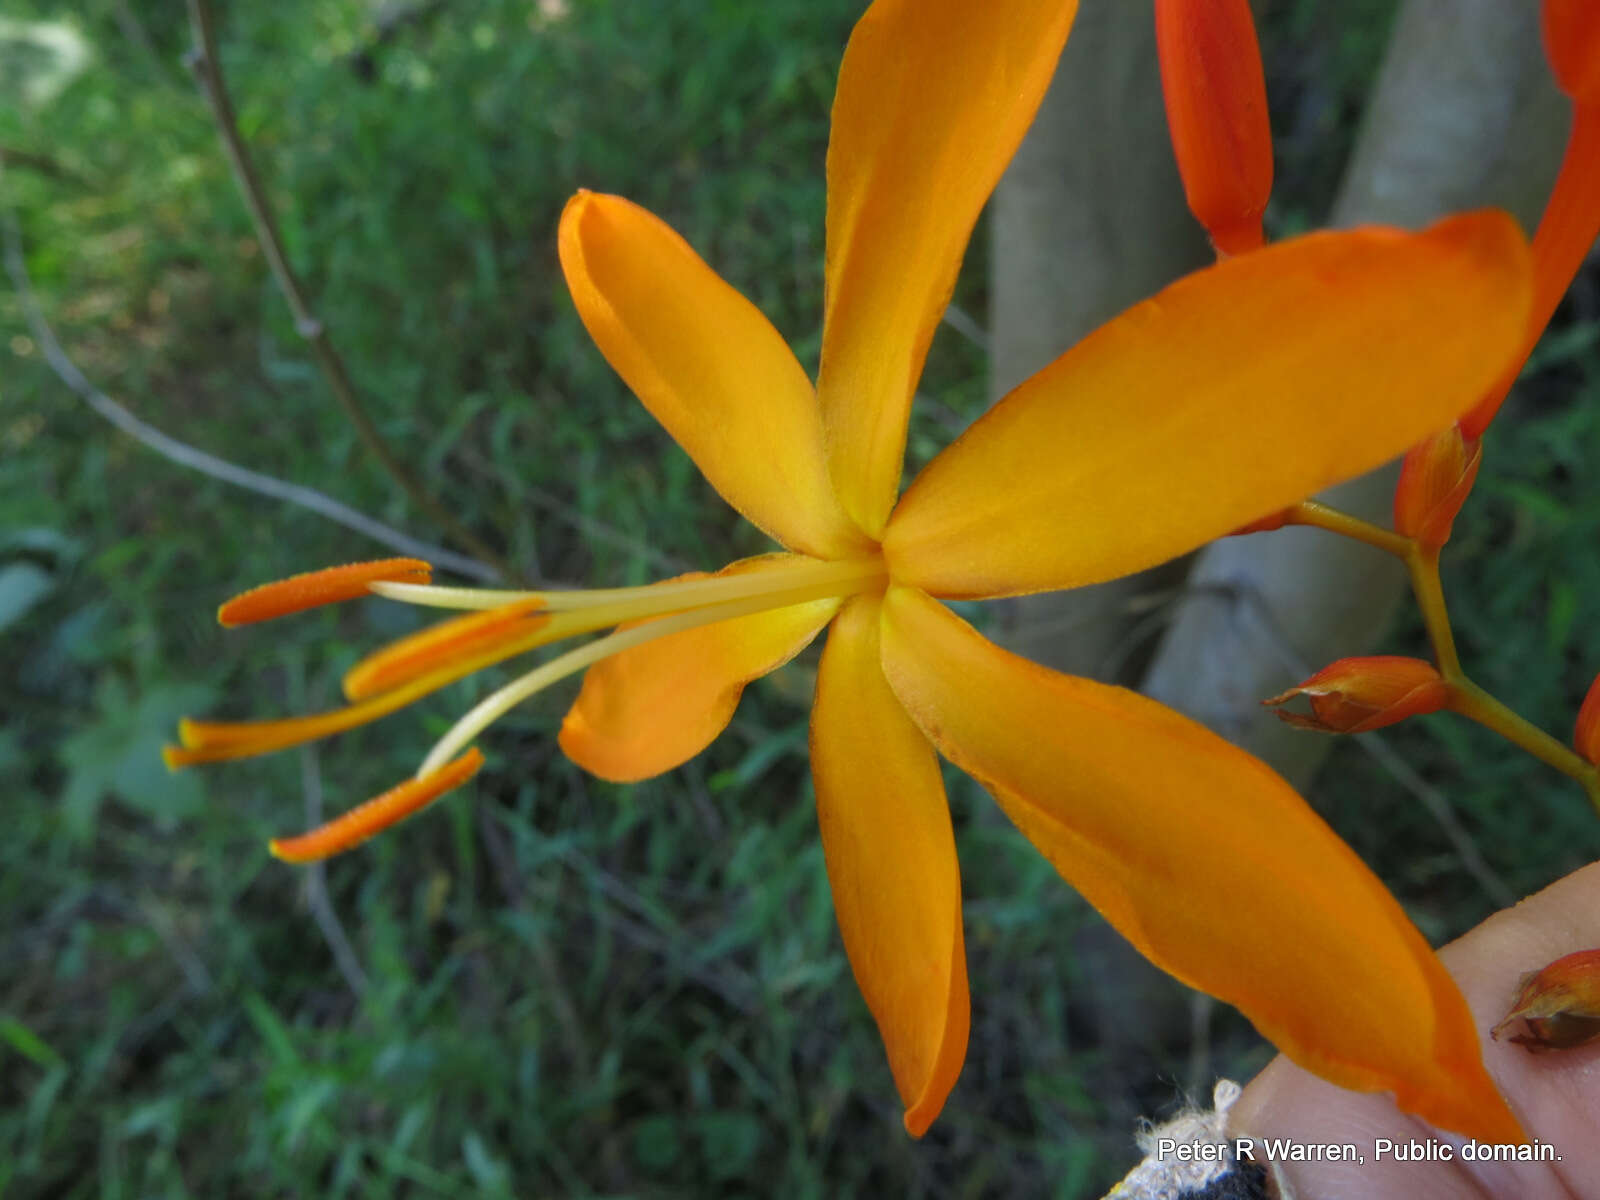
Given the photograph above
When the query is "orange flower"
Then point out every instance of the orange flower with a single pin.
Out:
(1232, 394)
(1216, 97)
(1355, 695)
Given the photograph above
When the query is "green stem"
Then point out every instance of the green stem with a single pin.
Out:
(1422, 563)
(1467, 698)
(1471, 701)
(1321, 516)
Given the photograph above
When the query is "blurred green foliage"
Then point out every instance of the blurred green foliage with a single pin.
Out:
(553, 985)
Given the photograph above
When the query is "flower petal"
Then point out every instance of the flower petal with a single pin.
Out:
(1235, 392)
(708, 366)
(892, 863)
(934, 97)
(1205, 860)
(657, 705)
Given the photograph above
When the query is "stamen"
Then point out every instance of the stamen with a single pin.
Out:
(427, 596)
(429, 648)
(377, 814)
(314, 588)
(754, 591)
(491, 708)
(769, 573)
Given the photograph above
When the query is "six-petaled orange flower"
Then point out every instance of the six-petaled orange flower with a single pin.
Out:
(1229, 395)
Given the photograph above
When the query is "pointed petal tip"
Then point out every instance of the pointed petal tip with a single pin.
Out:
(946, 1068)
(1492, 237)
(1466, 1101)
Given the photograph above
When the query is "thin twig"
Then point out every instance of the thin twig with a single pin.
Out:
(344, 955)
(207, 71)
(195, 459)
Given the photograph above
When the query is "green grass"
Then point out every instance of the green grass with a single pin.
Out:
(560, 986)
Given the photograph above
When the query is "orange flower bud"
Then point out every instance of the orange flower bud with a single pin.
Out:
(1586, 737)
(1434, 481)
(1572, 44)
(1355, 695)
(1571, 219)
(1559, 1007)
(1216, 97)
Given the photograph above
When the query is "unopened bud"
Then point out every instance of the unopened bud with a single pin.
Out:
(1216, 98)
(1559, 1006)
(1572, 44)
(1435, 479)
(1586, 737)
(1355, 695)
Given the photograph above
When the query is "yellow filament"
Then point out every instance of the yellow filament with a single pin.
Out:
(412, 656)
(652, 599)
(773, 587)
(492, 707)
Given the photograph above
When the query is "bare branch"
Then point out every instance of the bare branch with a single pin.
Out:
(195, 459)
(208, 74)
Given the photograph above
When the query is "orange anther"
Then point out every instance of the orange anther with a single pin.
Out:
(314, 588)
(427, 649)
(377, 814)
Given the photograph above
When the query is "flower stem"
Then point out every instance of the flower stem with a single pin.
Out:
(1312, 512)
(1470, 700)
(1423, 566)
(1466, 697)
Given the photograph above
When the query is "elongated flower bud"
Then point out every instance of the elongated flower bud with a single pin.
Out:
(1435, 479)
(1586, 737)
(1559, 1006)
(1572, 44)
(1355, 695)
(1571, 219)
(1216, 97)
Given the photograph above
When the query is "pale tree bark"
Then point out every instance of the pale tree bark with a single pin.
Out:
(1464, 114)
(1088, 220)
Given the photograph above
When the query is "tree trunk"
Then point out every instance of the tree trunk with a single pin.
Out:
(1464, 115)
(1088, 220)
